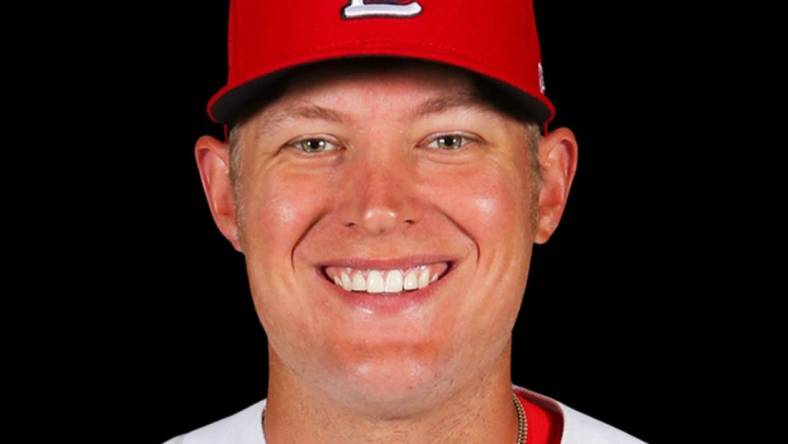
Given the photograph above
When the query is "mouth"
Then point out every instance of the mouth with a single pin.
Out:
(387, 287)
(386, 281)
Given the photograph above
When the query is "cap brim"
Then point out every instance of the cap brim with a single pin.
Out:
(226, 104)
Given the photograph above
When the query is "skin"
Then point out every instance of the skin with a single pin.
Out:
(437, 373)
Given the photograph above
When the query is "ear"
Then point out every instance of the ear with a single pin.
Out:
(558, 159)
(213, 161)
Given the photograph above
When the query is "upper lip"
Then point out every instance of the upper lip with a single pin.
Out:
(403, 262)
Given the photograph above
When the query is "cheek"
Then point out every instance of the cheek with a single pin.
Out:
(492, 207)
(490, 203)
(278, 211)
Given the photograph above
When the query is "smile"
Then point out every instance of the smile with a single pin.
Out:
(394, 280)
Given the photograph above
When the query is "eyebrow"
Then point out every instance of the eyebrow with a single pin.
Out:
(431, 106)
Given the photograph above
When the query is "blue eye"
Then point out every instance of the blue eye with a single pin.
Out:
(450, 142)
(313, 145)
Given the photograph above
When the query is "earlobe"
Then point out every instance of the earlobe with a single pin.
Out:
(213, 163)
(558, 153)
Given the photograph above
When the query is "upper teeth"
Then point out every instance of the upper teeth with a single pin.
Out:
(386, 281)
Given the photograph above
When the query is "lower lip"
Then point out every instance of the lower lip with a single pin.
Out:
(386, 303)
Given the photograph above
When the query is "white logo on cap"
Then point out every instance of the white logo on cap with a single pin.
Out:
(541, 79)
(357, 8)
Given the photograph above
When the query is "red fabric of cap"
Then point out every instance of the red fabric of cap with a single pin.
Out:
(495, 38)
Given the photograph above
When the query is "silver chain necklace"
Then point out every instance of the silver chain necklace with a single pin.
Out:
(522, 421)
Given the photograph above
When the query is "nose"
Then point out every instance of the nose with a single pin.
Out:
(380, 194)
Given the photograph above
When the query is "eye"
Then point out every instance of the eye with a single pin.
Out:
(313, 145)
(449, 142)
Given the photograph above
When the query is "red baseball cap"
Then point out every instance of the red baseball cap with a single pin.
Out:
(496, 39)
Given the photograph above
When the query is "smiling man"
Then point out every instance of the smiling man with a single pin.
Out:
(386, 172)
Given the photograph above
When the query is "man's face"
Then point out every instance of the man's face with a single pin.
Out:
(386, 183)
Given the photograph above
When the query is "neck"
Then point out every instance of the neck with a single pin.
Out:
(479, 411)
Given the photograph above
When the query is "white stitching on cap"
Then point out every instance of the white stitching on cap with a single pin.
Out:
(357, 8)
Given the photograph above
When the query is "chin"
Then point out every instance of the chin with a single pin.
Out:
(395, 388)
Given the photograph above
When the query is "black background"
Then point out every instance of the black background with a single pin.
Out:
(176, 333)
